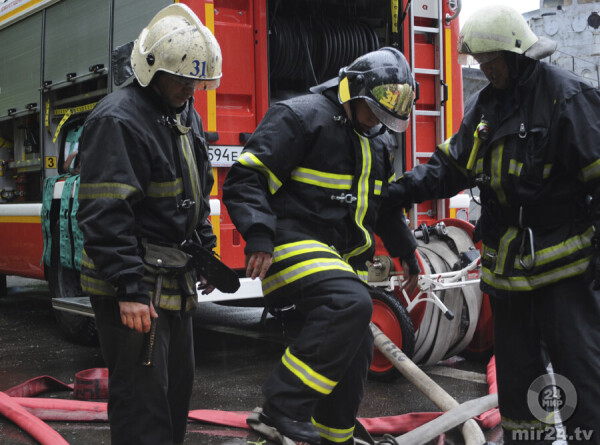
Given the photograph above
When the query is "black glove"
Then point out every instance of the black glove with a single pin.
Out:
(399, 194)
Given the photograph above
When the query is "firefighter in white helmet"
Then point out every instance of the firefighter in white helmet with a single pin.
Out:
(145, 184)
(529, 141)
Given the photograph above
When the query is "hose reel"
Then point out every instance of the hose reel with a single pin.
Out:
(315, 48)
(445, 310)
(451, 312)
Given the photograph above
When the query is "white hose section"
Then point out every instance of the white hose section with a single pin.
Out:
(437, 337)
(450, 419)
(470, 430)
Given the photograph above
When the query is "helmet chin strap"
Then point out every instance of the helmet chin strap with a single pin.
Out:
(374, 132)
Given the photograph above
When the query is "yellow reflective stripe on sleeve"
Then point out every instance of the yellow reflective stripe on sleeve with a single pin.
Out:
(521, 283)
(337, 435)
(94, 286)
(251, 161)
(377, 188)
(86, 261)
(592, 171)
(114, 190)
(303, 269)
(322, 179)
(503, 249)
(392, 178)
(496, 171)
(445, 146)
(285, 251)
(308, 376)
(362, 203)
(559, 251)
(547, 170)
(165, 189)
(363, 275)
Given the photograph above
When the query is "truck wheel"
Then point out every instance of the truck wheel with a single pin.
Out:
(64, 283)
(392, 318)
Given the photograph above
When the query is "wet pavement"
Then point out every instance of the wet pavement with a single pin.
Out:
(234, 354)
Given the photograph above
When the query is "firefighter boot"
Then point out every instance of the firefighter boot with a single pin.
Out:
(283, 429)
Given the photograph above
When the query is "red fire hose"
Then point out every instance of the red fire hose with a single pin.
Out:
(17, 405)
(39, 430)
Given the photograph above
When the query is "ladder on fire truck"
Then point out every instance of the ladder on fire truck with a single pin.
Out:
(426, 37)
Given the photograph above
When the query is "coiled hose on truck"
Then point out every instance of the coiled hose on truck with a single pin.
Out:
(439, 337)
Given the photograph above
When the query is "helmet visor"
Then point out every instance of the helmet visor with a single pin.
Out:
(397, 99)
(394, 123)
(195, 83)
(477, 59)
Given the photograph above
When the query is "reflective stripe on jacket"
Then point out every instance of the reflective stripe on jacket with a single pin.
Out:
(140, 179)
(535, 169)
(318, 189)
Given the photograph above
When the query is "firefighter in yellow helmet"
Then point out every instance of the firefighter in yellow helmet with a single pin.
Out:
(145, 184)
(529, 142)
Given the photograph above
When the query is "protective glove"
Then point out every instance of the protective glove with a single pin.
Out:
(399, 194)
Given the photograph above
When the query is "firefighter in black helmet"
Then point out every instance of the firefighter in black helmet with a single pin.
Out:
(307, 193)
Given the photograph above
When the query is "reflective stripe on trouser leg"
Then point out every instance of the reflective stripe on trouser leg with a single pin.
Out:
(338, 312)
(335, 415)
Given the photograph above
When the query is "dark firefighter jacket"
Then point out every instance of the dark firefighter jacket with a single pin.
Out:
(141, 178)
(307, 183)
(536, 169)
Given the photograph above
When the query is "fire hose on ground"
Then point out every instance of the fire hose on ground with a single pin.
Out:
(30, 413)
(456, 415)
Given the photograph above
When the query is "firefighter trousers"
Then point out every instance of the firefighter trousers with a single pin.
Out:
(560, 325)
(323, 373)
(148, 405)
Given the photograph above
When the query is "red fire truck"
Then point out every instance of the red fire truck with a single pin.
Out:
(59, 57)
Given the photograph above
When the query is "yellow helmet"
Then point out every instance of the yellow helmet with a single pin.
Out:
(175, 41)
(499, 28)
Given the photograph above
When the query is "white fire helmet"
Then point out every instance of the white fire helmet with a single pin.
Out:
(497, 28)
(177, 42)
